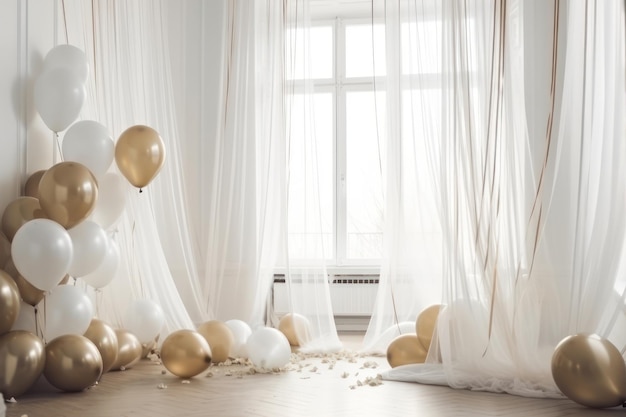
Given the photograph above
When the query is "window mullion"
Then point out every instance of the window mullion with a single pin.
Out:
(340, 145)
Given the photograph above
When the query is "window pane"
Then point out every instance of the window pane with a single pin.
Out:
(311, 172)
(314, 62)
(365, 149)
(361, 59)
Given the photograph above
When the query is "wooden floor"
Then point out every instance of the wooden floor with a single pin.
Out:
(344, 385)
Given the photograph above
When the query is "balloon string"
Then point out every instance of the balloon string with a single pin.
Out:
(58, 143)
(36, 322)
(134, 266)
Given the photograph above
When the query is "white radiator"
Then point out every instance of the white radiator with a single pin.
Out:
(352, 299)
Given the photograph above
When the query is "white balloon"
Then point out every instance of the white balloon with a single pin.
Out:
(107, 270)
(111, 200)
(69, 57)
(89, 143)
(90, 247)
(67, 310)
(395, 330)
(241, 332)
(145, 319)
(59, 97)
(26, 319)
(42, 252)
(268, 348)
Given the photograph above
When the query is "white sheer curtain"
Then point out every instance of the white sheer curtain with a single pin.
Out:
(254, 161)
(529, 242)
(130, 84)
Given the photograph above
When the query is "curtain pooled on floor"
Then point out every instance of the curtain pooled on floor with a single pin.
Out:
(525, 184)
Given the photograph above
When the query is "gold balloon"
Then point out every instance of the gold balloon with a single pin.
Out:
(185, 353)
(5, 249)
(67, 193)
(405, 349)
(129, 350)
(590, 370)
(31, 187)
(220, 339)
(18, 212)
(103, 336)
(28, 292)
(295, 327)
(73, 363)
(425, 325)
(9, 302)
(22, 358)
(139, 154)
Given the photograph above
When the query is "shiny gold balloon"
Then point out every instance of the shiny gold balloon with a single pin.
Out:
(129, 350)
(103, 336)
(405, 349)
(28, 292)
(18, 212)
(220, 339)
(31, 187)
(22, 358)
(590, 370)
(185, 353)
(9, 302)
(295, 327)
(139, 154)
(425, 325)
(67, 193)
(5, 249)
(73, 363)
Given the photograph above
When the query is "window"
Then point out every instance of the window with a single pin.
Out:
(338, 154)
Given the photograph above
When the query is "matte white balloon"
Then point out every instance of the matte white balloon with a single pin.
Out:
(67, 310)
(90, 244)
(145, 319)
(111, 200)
(42, 252)
(107, 270)
(241, 332)
(69, 57)
(268, 348)
(91, 144)
(59, 97)
(26, 319)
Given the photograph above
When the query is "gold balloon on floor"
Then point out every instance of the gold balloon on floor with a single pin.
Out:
(9, 302)
(31, 187)
(220, 339)
(139, 154)
(404, 350)
(129, 350)
(590, 370)
(103, 336)
(185, 353)
(295, 327)
(18, 212)
(425, 325)
(22, 358)
(67, 193)
(73, 363)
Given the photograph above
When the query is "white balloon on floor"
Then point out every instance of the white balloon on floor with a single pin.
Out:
(268, 348)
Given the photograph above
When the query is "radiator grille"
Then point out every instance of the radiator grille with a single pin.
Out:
(351, 296)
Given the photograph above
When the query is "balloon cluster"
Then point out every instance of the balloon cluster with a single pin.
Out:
(590, 370)
(413, 347)
(186, 353)
(62, 227)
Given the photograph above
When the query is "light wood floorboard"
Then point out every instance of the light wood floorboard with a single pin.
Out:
(309, 387)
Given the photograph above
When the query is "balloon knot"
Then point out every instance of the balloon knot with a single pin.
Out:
(140, 190)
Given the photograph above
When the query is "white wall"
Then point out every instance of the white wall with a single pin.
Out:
(27, 31)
